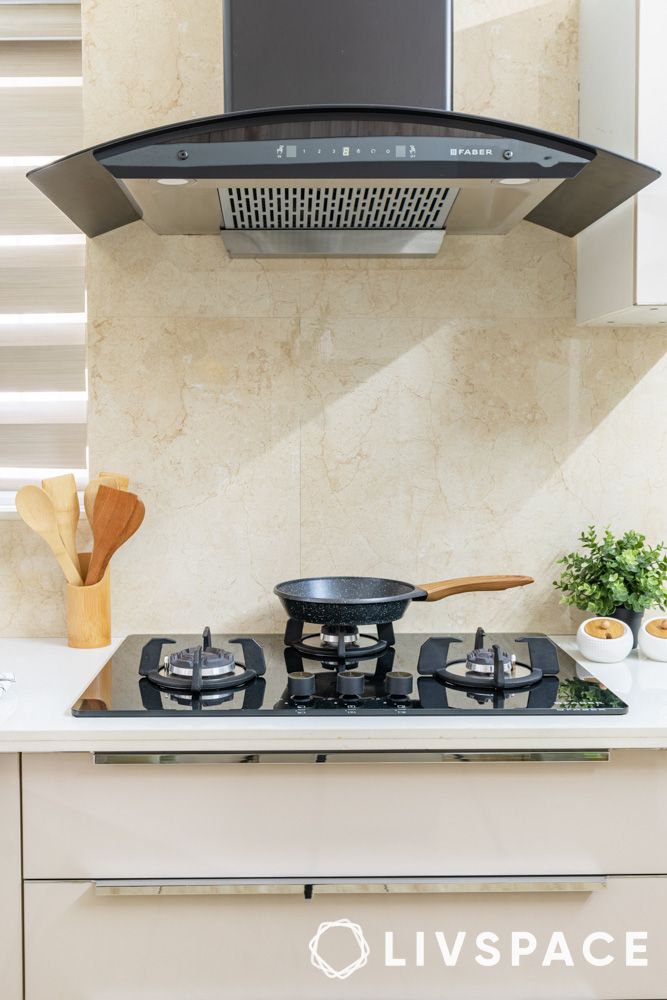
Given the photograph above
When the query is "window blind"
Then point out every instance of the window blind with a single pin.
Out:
(43, 392)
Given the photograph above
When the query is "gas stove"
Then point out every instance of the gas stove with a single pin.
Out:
(340, 671)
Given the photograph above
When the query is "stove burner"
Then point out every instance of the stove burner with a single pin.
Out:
(202, 672)
(330, 635)
(482, 669)
(333, 645)
(212, 662)
(482, 661)
(196, 680)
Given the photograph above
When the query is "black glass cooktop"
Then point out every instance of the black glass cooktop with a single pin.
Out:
(413, 675)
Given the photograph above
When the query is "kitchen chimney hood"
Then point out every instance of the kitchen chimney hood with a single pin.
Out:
(358, 154)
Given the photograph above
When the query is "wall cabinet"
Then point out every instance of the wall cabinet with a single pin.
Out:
(11, 931)
(622, 259)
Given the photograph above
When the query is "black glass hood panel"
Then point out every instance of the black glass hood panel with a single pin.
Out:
(474, 162)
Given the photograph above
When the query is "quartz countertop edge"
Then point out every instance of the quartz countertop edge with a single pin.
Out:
(35, 716)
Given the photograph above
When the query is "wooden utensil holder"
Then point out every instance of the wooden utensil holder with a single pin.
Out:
(89, 611)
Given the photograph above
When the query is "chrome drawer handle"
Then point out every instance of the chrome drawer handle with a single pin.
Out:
(464, 884)
(362, 757)
(345, 886)
(197, 887)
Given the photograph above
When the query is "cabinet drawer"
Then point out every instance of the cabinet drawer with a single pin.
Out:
(81, 945)
(87, 820)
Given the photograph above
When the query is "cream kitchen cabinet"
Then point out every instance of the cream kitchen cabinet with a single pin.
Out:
(199, 820)
(83, 943)
(11, 987)
(179, 877)
(622, 277)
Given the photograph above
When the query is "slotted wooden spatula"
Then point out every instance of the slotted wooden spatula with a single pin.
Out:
(36, 509)
(62, 491)
(114, 520)
(90, 493)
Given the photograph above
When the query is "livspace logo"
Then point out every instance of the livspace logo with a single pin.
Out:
(485, 949)
(318, 960)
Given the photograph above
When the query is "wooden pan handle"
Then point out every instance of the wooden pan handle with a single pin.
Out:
(469, 584)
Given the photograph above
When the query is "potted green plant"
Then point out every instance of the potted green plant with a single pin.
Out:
(615, 577)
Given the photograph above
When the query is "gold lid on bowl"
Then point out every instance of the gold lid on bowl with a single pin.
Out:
(604, 628)
(658, 628)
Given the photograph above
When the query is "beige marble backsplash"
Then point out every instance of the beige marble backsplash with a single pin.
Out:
(417, 419)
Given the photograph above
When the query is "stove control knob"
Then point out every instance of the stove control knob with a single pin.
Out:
(301, 685)
(350, 684)
(399, 684)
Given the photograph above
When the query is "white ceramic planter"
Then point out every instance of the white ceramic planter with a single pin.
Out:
(651, 645)
(604, 650)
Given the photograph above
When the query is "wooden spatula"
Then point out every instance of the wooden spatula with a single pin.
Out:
(123, 481)
(115, 518)
(135, 522)
(62, 491)
(36, 509)
(90, 493)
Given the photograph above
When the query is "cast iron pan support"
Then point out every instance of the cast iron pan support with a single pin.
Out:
(498, 667)
(293, 632)
(434, 654)
(197, 679)
(150, 656)
(253, 655)
(543, 651)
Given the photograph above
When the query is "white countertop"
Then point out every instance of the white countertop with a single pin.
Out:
(35, 716)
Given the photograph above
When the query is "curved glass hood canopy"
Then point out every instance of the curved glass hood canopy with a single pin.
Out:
(340, 180)
(361, 155)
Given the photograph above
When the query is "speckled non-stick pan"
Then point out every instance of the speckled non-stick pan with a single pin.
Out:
(370, 600)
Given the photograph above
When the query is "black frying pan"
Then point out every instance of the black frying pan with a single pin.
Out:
(370, 600)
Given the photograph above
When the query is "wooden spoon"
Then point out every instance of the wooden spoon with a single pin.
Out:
(123, 481)
(471, 584)
(90, 493)
(115, 518)
(36, 509)
(62, 491)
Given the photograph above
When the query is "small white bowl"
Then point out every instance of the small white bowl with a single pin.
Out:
(653, 646)
(604, 650)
